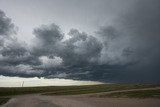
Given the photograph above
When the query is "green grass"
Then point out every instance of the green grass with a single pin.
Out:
(136, 94)
(3, 100)
(72, 90)
(99, 88)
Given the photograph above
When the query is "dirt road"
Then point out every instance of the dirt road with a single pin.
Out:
(90, 100)
(78, 101)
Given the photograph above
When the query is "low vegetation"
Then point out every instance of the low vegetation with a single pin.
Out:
(71, 90)
(7, 93)
(135, 94)
(3, 100)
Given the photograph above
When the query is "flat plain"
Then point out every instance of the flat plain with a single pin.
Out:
(104, 95)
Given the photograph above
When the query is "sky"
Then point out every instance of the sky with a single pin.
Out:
(96, 40)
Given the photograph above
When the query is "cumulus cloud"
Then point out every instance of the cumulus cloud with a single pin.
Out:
(6, 27)
(51, 55)
(80, 48)
(47, 39)
(15, 58)
(20, 70)
(48, 62)
(119, 52)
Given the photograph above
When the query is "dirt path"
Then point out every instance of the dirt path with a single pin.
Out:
(78, 101)
(44, 101)
(35, 100)
(29, 101)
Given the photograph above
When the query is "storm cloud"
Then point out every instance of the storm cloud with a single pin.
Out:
(6, 27)
(15, 58)
(128, 50)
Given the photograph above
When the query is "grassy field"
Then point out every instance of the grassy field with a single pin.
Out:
(3, 100)
(72, 90)
(135, 94)
(7, 93)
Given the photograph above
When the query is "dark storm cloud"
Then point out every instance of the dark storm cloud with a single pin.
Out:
(9, 46)
(141, 24)
(127, 51)
(81, 54)
(48, 34)
(79, 49)
(6, 27)
(48, 40)
(131, 49)
(115, 43)
(51, 55)
(15, 57)
(108, 32)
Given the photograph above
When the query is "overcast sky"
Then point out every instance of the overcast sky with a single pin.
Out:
(102, 40)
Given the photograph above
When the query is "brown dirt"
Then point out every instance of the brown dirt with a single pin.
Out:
(78, 101)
